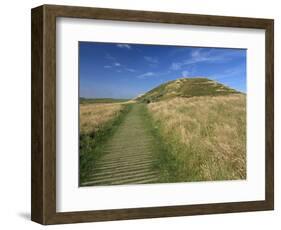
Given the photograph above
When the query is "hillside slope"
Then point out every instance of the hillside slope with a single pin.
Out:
(186, 87)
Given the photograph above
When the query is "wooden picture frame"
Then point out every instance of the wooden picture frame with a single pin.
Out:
(43, 208)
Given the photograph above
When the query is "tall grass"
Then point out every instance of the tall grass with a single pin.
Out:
(93, 116)
(206, 135)
(97, 124)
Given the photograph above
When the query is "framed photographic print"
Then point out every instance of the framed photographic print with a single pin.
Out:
(141, 114)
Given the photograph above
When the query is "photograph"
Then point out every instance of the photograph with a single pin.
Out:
(149, 114)
(161, 114)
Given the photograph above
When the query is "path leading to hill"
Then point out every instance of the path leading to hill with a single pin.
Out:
(128, 155)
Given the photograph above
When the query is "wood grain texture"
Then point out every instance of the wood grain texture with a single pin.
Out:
(269, 116)
(44, 114)
(37, 116)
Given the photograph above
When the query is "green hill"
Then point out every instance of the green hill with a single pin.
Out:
(186, 87)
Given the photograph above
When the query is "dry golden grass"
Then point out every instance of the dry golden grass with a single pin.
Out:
(93, 116)
(207, 135)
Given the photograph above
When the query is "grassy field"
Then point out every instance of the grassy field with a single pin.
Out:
(205, 137)
(181, 131)
(98, 121)
(93, 116)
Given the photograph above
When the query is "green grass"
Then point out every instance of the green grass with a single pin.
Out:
(90, 145)
(101, 100)
(129, 153)
(186, 87)
(165, 162)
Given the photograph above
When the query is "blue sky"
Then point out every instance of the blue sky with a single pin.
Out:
(115, 70)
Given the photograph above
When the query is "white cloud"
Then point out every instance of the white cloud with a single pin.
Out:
(145, 75)
(117, 64)
(151, 59)
(176, 66)
(109, 57)
(185, 73)
(107, 66)
(130, 70)
(198, 56)
(229, 73)
(124, 46)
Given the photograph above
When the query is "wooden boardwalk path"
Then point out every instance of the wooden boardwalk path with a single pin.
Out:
(128, 155)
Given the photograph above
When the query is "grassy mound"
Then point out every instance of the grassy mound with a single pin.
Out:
(186, 87)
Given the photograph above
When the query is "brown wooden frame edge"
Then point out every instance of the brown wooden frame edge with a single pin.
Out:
(43, 96)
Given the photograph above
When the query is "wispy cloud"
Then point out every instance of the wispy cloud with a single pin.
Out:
(229, 73)
(109, 57)
(145, 75)
(196, 56)
(153, 60)
(201, 55)
(153, 74)
(124, 46)
(185, 73)
(120, 67)
(130, 70)
(176, 65)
